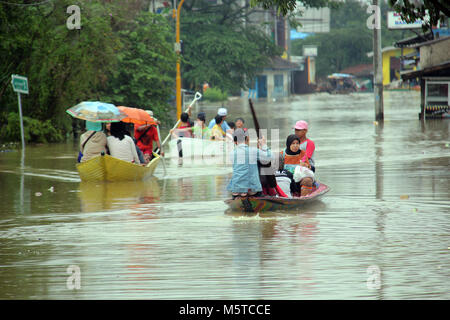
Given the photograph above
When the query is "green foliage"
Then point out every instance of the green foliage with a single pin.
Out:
(220, 48)
(214, 95)
(286, 6)
(144, 76)
(120, 55)
(35, 131)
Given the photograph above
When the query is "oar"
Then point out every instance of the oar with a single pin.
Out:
(255, 120)
(197, 96)
(269, 179)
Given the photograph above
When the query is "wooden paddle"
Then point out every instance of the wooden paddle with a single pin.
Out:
(266, 180)
(255, 120)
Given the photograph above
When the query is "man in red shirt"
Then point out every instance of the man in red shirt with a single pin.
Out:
(145, 135)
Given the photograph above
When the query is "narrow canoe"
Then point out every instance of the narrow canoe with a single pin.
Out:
(262, 204)
(107, 168)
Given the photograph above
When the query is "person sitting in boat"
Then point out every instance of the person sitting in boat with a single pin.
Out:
(92, 142)
(200, 130)
(293, 158)
(145, 135)
(285, 179)
(184, 128)
(245, 179)
(229, 133)
(239, 123)
(217, 132)
(121, 145)
(307, 145)
(223, 113)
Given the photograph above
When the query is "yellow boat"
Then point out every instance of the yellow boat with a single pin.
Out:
(107, 168)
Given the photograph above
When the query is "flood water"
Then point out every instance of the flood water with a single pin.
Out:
(382, 232)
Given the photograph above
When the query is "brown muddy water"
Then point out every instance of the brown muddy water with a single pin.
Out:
(382, 232)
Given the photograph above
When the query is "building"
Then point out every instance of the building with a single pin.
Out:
(433, 74)
(275, 80)
(391, 57)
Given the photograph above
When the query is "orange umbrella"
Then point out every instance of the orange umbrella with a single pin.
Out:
(136, 116)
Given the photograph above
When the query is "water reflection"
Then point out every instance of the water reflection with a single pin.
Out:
(99, 196)
(168, 237)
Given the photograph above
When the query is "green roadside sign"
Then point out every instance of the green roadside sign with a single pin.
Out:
(19, 83)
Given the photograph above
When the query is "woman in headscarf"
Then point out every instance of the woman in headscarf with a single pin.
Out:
(293, 162)
(121, 145)
(92, 142)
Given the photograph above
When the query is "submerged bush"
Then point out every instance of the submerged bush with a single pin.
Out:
(35, 131)
(214, 94)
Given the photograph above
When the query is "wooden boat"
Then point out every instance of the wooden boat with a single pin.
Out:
(193, 148)
(107, 168)
(261, 204)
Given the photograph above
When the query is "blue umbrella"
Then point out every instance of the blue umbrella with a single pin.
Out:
(96, 111)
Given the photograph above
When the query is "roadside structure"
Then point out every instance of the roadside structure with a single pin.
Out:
(433, 74)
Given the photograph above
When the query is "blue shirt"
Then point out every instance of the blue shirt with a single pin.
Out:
(224, 125)
(245, 168)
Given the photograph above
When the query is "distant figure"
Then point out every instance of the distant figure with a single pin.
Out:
(217, 133)
(223, 113)
(92, 142)
(200, 130)
(239, 122)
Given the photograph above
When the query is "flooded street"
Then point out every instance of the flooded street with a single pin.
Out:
(382, 232)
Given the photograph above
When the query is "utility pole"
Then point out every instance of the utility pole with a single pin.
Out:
(377, 65)
(178, 51)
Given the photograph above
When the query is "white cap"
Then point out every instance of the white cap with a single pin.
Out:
(222, 112)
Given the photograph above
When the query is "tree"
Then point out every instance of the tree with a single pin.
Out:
(412, 10)
(121, 55)
(144, 76)
(221, 46)
(286, 6)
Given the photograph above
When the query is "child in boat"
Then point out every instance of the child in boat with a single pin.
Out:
(245, 180)
(293, 162)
